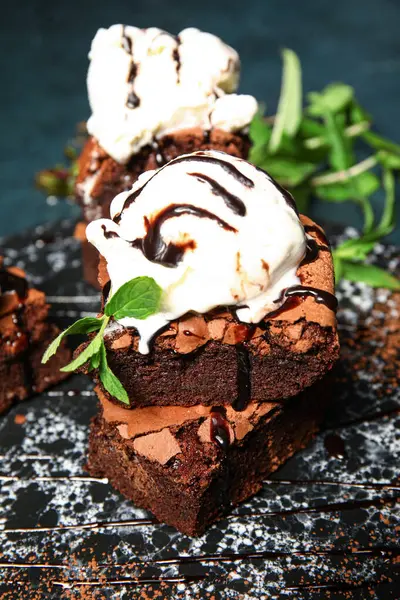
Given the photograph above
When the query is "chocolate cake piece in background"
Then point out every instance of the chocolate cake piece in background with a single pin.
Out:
(100, 177)
(155, 96)
(24, 336)
(203, 357)
(189, 466)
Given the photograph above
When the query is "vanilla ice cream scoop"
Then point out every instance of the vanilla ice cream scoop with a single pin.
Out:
(145, 83)
(212, 230)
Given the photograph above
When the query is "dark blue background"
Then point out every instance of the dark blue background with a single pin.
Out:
(44, 48)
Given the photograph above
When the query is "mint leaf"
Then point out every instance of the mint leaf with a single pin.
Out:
(94, 361)
(302, 195)
(333, 99)
(85, 325)
(358, 114)
(90, 350)
(341, 154)
(260, 134)
(380, 143)
(111, 383)
(289, 114)
(138, 298)
(259, 130)
(337, 267)
(311, 128)
(363, 184)
(369, 274)
(288, 171)
(387, 220)
(389, 160)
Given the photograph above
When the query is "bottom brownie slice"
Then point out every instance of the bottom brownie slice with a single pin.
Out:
(189, 466)
(25, 334)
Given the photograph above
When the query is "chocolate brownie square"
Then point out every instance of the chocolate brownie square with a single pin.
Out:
(190, 466)
(25, 334)
(203, 357)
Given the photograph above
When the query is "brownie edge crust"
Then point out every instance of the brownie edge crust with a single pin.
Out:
(189, 481)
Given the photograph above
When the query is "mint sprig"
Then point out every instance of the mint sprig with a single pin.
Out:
(327, 152)
(139, 299)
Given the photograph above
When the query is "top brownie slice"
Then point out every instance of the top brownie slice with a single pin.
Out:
(216, 359)
(247, 307)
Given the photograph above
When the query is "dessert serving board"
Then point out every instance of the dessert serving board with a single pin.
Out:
(325, 525)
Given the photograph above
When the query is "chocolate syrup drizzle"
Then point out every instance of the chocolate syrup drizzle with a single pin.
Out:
(177, 58)
(153, 246)
(197, 157)
(286, 195)
(213, 160)
(302, 291)
(219, 429)
(109, 234)
(312, 251)
(233, 202)
(132, 101)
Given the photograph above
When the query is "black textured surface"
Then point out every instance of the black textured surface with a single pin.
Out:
(324, 526)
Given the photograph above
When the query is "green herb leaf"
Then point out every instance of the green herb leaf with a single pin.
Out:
(341, 155)
(86, 325)
(260, 134)
(302, 195)
(389, 160)
(111, 383)
(289, 114)
(337, 266)
(358, 114)
(369, 274)
(380, 143)
(288, 171)
(259, 130)
(333, 99)
(95, 361)
(311, 128)
(364, 184)
(90, 350)
(138, 298)
(387, 220)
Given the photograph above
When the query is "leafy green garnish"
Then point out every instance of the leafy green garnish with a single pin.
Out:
(139, 299)
(86, 325)
(60, 179)
(288, 117)
(111, 383)
(314, 153)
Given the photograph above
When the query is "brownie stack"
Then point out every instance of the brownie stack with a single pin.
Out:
(191, 112)
(218, 403)
(25, 334)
